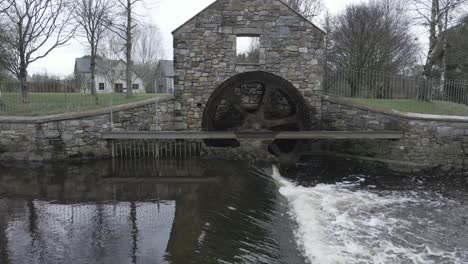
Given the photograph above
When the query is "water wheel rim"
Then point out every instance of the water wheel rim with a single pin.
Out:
(290, 93)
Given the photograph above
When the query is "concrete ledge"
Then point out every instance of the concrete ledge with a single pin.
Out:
(447, 118)
(78, 115)
(371, 159)
(412, 116)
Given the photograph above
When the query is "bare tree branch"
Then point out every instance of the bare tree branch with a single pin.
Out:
(437, 16)
(308, 8)
(94, 18)
(31, 30)
(124, 28)
(148, 50)
(371, 36)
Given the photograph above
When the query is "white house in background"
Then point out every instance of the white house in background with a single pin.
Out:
(109, 77)
(165, 76)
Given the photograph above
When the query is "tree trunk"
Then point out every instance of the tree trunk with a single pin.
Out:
(129, 46)
(23, 78)
(93, 72)
(432, 39)
(424, 90)
(24, 88)
(443, 74)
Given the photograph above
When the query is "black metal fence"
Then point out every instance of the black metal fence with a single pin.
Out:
(58, 96)
(399, 92)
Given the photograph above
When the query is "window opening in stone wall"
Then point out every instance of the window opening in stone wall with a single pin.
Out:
(248, 49)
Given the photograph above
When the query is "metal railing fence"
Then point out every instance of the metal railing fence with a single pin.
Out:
(61, 96)
(375, 89)
(398, 92)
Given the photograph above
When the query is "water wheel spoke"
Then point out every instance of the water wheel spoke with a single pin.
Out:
(242, 110)
(275, 149)
(266, 99)
(235, 100)
(282, 121)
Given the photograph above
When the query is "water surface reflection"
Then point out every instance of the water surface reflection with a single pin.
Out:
(144, 211)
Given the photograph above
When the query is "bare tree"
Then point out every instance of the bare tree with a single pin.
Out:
(148, 50)
(93, 17)
(4, 5)
(437, 15)
(109, 52)
(457, 51)
(125, 29)
(31, 30)
(308, 8)
(372, 36)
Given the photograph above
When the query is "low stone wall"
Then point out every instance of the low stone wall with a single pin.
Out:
(78, 135)
(430, 142)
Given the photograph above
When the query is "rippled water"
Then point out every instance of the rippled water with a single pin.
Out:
(227, 212)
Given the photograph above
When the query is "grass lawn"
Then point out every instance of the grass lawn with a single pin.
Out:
(55, 103)
(413, 106)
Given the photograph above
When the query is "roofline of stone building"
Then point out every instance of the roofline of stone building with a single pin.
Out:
(297, 13)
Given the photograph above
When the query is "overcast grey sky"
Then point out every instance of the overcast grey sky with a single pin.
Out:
(166, 14)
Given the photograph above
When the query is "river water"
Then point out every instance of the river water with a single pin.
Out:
(195, 211)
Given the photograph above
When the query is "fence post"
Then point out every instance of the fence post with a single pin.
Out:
(156, 114)
(111, 112)
(66, 98)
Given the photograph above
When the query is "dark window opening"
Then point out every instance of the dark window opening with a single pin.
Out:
(135, 86)
(101, 86)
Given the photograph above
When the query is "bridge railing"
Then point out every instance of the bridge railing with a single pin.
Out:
(399, 92)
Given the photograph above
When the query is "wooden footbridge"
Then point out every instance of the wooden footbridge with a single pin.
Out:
(267, 135)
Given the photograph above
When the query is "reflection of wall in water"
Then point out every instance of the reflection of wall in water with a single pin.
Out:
(94, 181)
(82, 231)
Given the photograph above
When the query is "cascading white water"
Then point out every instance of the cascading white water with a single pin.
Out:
(342, 223)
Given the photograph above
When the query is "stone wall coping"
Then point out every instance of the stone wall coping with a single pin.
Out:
(412, 116)
(79, 115)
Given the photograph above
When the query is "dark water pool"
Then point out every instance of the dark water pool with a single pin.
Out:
(198, 211)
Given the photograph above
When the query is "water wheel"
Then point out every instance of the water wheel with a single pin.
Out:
(257, 102)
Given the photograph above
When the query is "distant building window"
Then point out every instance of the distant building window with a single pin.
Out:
(248, 49)
(101, 86)
(135, 86)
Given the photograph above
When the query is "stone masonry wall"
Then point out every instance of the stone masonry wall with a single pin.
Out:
(205, 52)
(429, 142)
(79, 135)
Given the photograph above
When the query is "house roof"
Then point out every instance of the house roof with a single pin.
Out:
(206, 8)
(166, 66)
(83, 65)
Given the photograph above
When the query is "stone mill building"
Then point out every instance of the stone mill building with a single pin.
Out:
(211, 78)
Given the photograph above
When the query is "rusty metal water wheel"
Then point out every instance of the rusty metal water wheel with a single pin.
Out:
(258, 102)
